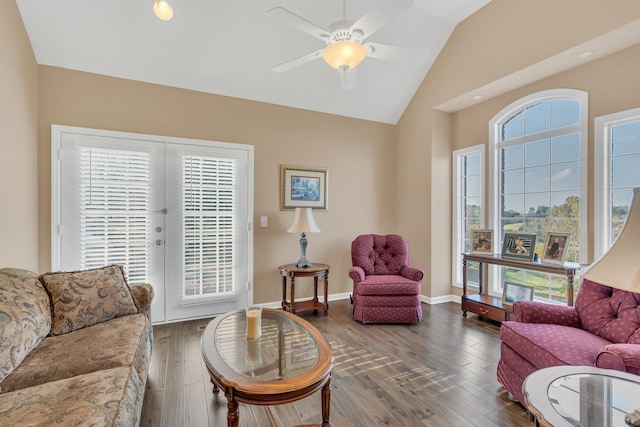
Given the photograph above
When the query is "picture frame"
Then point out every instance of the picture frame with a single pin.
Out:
(481, 241)
(304, 187)
(512, 292)
(555, 247)
(519, 246)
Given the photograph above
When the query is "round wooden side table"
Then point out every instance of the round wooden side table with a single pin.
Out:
(291, 271)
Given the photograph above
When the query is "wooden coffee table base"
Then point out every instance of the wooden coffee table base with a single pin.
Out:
(233, 413)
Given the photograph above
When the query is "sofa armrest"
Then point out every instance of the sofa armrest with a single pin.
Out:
(540, 312)
(412, 273)
(357, 274)
(142, 295)
(621, 357)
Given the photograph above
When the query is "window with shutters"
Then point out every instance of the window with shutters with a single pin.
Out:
(114, 196)
(209, 223)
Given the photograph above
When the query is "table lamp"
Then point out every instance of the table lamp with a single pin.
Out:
(303, 223)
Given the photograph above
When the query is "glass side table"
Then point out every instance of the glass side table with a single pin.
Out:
(581, 396)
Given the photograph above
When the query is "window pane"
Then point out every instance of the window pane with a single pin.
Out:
(537, 179)
(513, 157)
(513, 181)
(565, 148)
(625, 171)
(473, 164)
(537, 119)
(626, 138)
(565, 204)
(472, 186)
(514, 127)
(564, 112)
(537, 153)
(565, 176)
(537, 205)
(473, 207)
(513, 206)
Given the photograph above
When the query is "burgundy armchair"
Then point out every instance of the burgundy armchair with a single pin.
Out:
(385, 288)
(602, 330)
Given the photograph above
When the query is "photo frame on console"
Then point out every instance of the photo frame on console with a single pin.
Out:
(555, 247)
(512, 292)
(519, 246)
(481, 241)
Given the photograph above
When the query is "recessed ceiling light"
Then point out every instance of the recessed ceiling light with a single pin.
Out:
(585, 54)
(477, 97)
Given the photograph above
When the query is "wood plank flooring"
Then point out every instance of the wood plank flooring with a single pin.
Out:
(441, 372)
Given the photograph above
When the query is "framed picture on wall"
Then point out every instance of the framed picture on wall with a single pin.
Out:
(481, 241)
(555, 247)
(303, 187)
(512, 292)
(519, 246)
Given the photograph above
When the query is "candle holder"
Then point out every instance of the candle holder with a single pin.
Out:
(254, 322)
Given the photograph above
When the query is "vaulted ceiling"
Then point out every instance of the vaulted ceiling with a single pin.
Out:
(229, 48)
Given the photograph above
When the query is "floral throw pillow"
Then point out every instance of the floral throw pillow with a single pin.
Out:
(85, 298)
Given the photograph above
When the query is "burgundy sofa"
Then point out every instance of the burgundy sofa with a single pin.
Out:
(385, 288)
(602, 330)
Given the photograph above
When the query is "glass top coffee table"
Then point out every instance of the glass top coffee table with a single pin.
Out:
(581, 396)
(290, 361)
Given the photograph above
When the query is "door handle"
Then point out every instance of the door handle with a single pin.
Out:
(158, 242)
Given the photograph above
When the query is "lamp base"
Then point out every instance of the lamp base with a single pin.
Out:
(303, 263)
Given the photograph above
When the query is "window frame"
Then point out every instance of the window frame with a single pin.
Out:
(602, 175)
(494, 168)
(458, 232)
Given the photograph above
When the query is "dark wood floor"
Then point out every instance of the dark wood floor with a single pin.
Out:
(441, 372)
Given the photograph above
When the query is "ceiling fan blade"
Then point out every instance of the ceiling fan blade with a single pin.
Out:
(348, 78)
(395, 53)
(298, 61)
(300, 23)
(379, 15)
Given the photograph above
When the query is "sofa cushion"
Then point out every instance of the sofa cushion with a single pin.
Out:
(610, 313)
(123, 341)
(25, 316)
(84, 298)
(111, 397)
(547, 345)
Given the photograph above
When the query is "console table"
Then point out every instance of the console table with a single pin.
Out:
(491, 307)
(292, 271)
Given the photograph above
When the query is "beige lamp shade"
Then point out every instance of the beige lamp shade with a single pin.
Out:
(303, 222)
(345, 53)
(620, 266)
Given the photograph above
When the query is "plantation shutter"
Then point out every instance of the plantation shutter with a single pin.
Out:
(209, 221)
(115, 210)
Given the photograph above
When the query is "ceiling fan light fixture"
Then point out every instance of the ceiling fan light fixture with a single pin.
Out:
(344, 53)
(163, 10)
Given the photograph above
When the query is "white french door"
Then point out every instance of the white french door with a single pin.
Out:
(174, 212)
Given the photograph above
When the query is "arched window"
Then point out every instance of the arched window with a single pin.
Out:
(538, 179)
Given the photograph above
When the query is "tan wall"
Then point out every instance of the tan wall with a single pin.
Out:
(18, 144)
(359, 155)
(502, 38)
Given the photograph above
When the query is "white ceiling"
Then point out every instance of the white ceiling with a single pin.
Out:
(228, 47)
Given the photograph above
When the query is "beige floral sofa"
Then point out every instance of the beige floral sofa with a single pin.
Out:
(74, 348)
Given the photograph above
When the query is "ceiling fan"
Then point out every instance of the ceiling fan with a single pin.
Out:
(345, 47)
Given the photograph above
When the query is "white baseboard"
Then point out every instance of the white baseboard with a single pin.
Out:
(337, 297)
